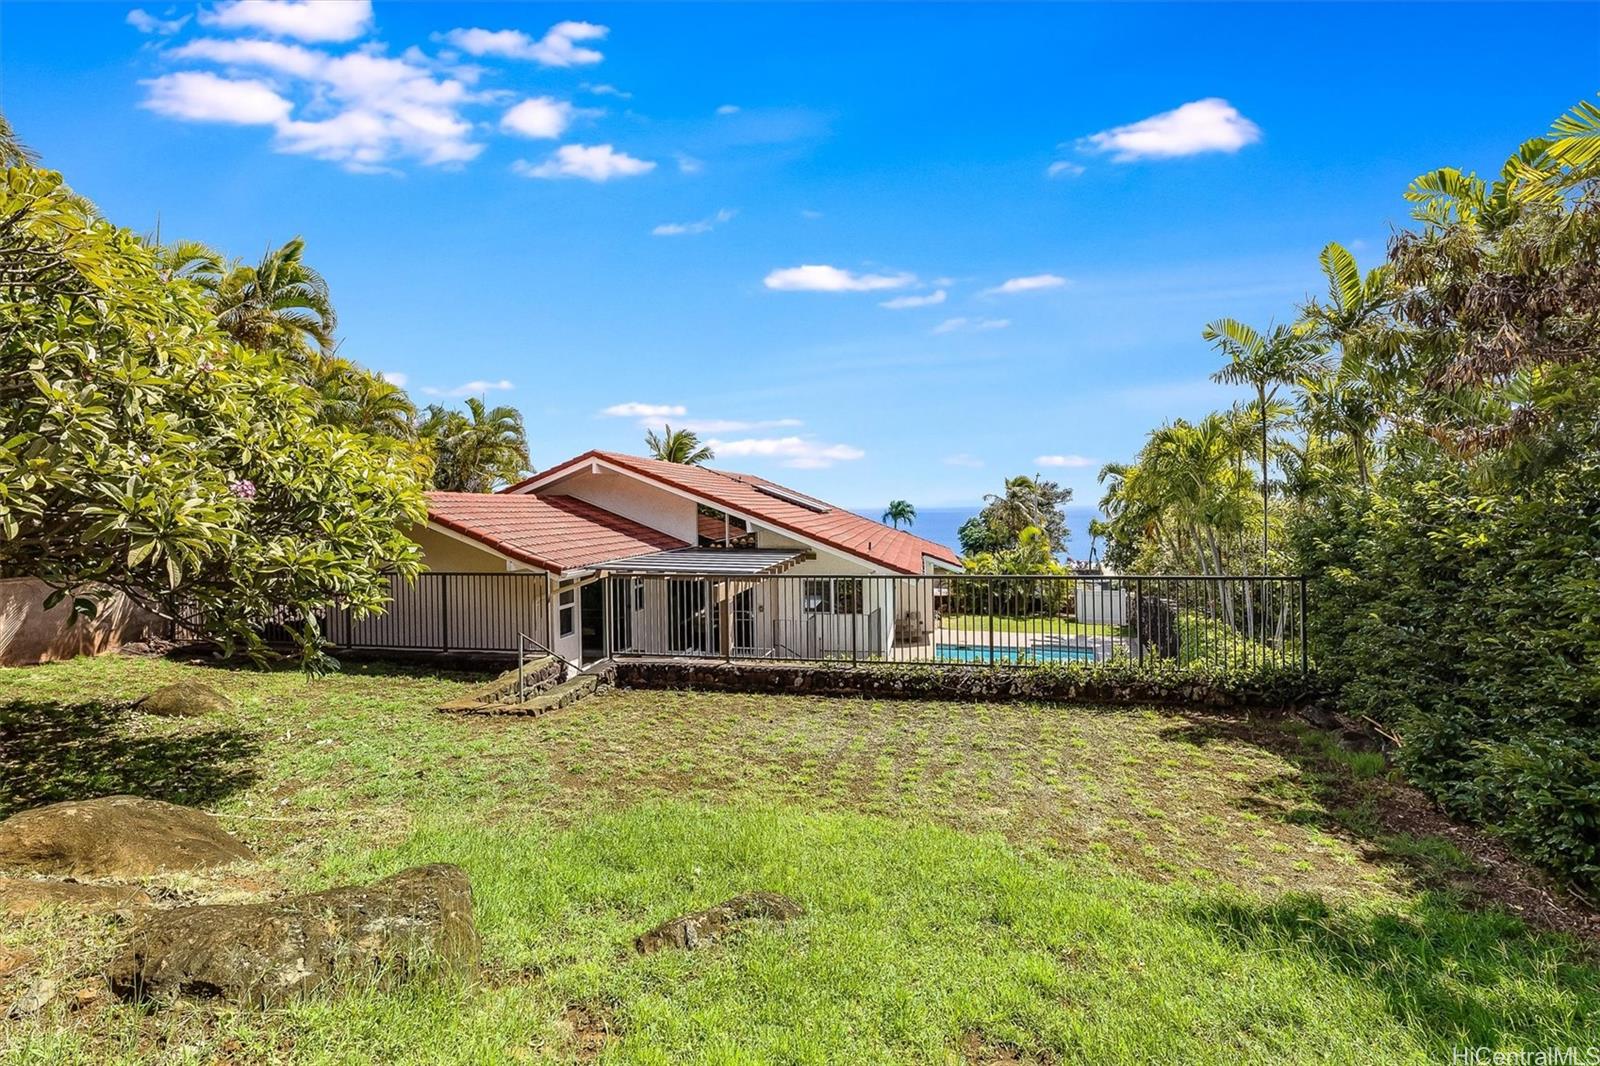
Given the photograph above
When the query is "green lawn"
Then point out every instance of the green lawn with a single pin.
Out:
(984, 883)
(979, 623)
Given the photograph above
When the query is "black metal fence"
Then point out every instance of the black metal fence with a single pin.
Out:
(444, 612)
(960, 619)
(965, 619)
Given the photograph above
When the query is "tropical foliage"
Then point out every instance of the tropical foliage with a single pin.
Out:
(1024, 503)
(677, 446)
(147, 452)
(898, 513)
(1423, 442)
(475, 451)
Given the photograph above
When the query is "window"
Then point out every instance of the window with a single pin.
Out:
(568, 612)
(832, 595)
(638, 594)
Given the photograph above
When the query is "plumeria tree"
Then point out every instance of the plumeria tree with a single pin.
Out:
(146, 452)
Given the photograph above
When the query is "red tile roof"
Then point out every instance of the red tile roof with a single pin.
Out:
(555, 533)
(835, 527)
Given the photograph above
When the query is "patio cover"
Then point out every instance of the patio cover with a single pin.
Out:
(709, 562)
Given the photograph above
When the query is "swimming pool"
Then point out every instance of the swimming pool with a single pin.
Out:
(970, 653)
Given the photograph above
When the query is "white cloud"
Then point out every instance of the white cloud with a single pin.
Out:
(470, 388)
(1031, 283)
(735, 425)
(557, 48)
(704, 225)
(292, 59)
(383, 108)
(688, 164)
(145, 22)
(591, 162)
(1074, 462)
(819, 278)
(728, 109)
(1063, 168)
(394, 377)
(197, 97)
(1210, 125)
(971, 325)
(304, 20)
(606, 90)
(801, 453)
(539, 116)
(901, 303)
(634, 409)
(962, 459)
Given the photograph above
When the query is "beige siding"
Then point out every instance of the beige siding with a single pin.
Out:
(443, 553)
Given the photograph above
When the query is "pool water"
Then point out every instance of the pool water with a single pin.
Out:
(968, 653)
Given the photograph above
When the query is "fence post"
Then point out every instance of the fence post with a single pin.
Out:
(1305, 659)
(606, 592)
(990, 584)
(1138, 616)
(856, 619)
(444, 597)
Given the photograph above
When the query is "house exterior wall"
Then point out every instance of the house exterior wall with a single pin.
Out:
(632, 498)
(466, 600)
(444, 554)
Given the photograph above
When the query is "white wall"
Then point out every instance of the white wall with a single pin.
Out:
(1099, 602)
(632, 498)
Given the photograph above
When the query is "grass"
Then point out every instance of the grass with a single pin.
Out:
(984, 883)
(979, 623)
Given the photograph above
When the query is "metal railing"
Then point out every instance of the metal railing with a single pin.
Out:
(956, 619)
(443, 612)
(965, 619)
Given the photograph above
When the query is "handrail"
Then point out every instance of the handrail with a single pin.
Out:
(523, 640)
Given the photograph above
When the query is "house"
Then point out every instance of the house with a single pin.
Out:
(701, 561)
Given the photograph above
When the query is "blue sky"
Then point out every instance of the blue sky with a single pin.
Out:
(704, 209)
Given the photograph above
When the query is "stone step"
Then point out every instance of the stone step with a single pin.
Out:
(538, 675)
(552, 694)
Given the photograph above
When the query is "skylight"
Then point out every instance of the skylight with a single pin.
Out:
(790, 496)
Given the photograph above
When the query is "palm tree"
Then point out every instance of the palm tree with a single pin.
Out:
(900, 511)
(1263, 361)
(14, 153)
(353, 397)
(1029, 501)
(473, 452)
(279, 303)
(193, 260)
(1099, 529)
(680, 446)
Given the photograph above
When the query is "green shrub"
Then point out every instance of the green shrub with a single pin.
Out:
(1468, 621)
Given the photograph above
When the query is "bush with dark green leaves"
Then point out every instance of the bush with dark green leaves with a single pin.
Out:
(142, 451)
(1467, 620)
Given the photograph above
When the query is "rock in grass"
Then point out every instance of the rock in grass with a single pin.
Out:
(695, 930)
(186, 699)
(263, 954)
(115, 836)
(21, 895)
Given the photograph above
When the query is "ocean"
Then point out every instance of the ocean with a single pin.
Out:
(939, 524)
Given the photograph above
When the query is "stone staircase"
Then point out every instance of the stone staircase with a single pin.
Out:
(548, 684)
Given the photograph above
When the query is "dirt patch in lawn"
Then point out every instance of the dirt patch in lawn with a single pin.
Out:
(1398, 826)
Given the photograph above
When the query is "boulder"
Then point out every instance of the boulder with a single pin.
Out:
(186, 699)
(700, 928)
(263, 954)
(115, 836)
(20, 895)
